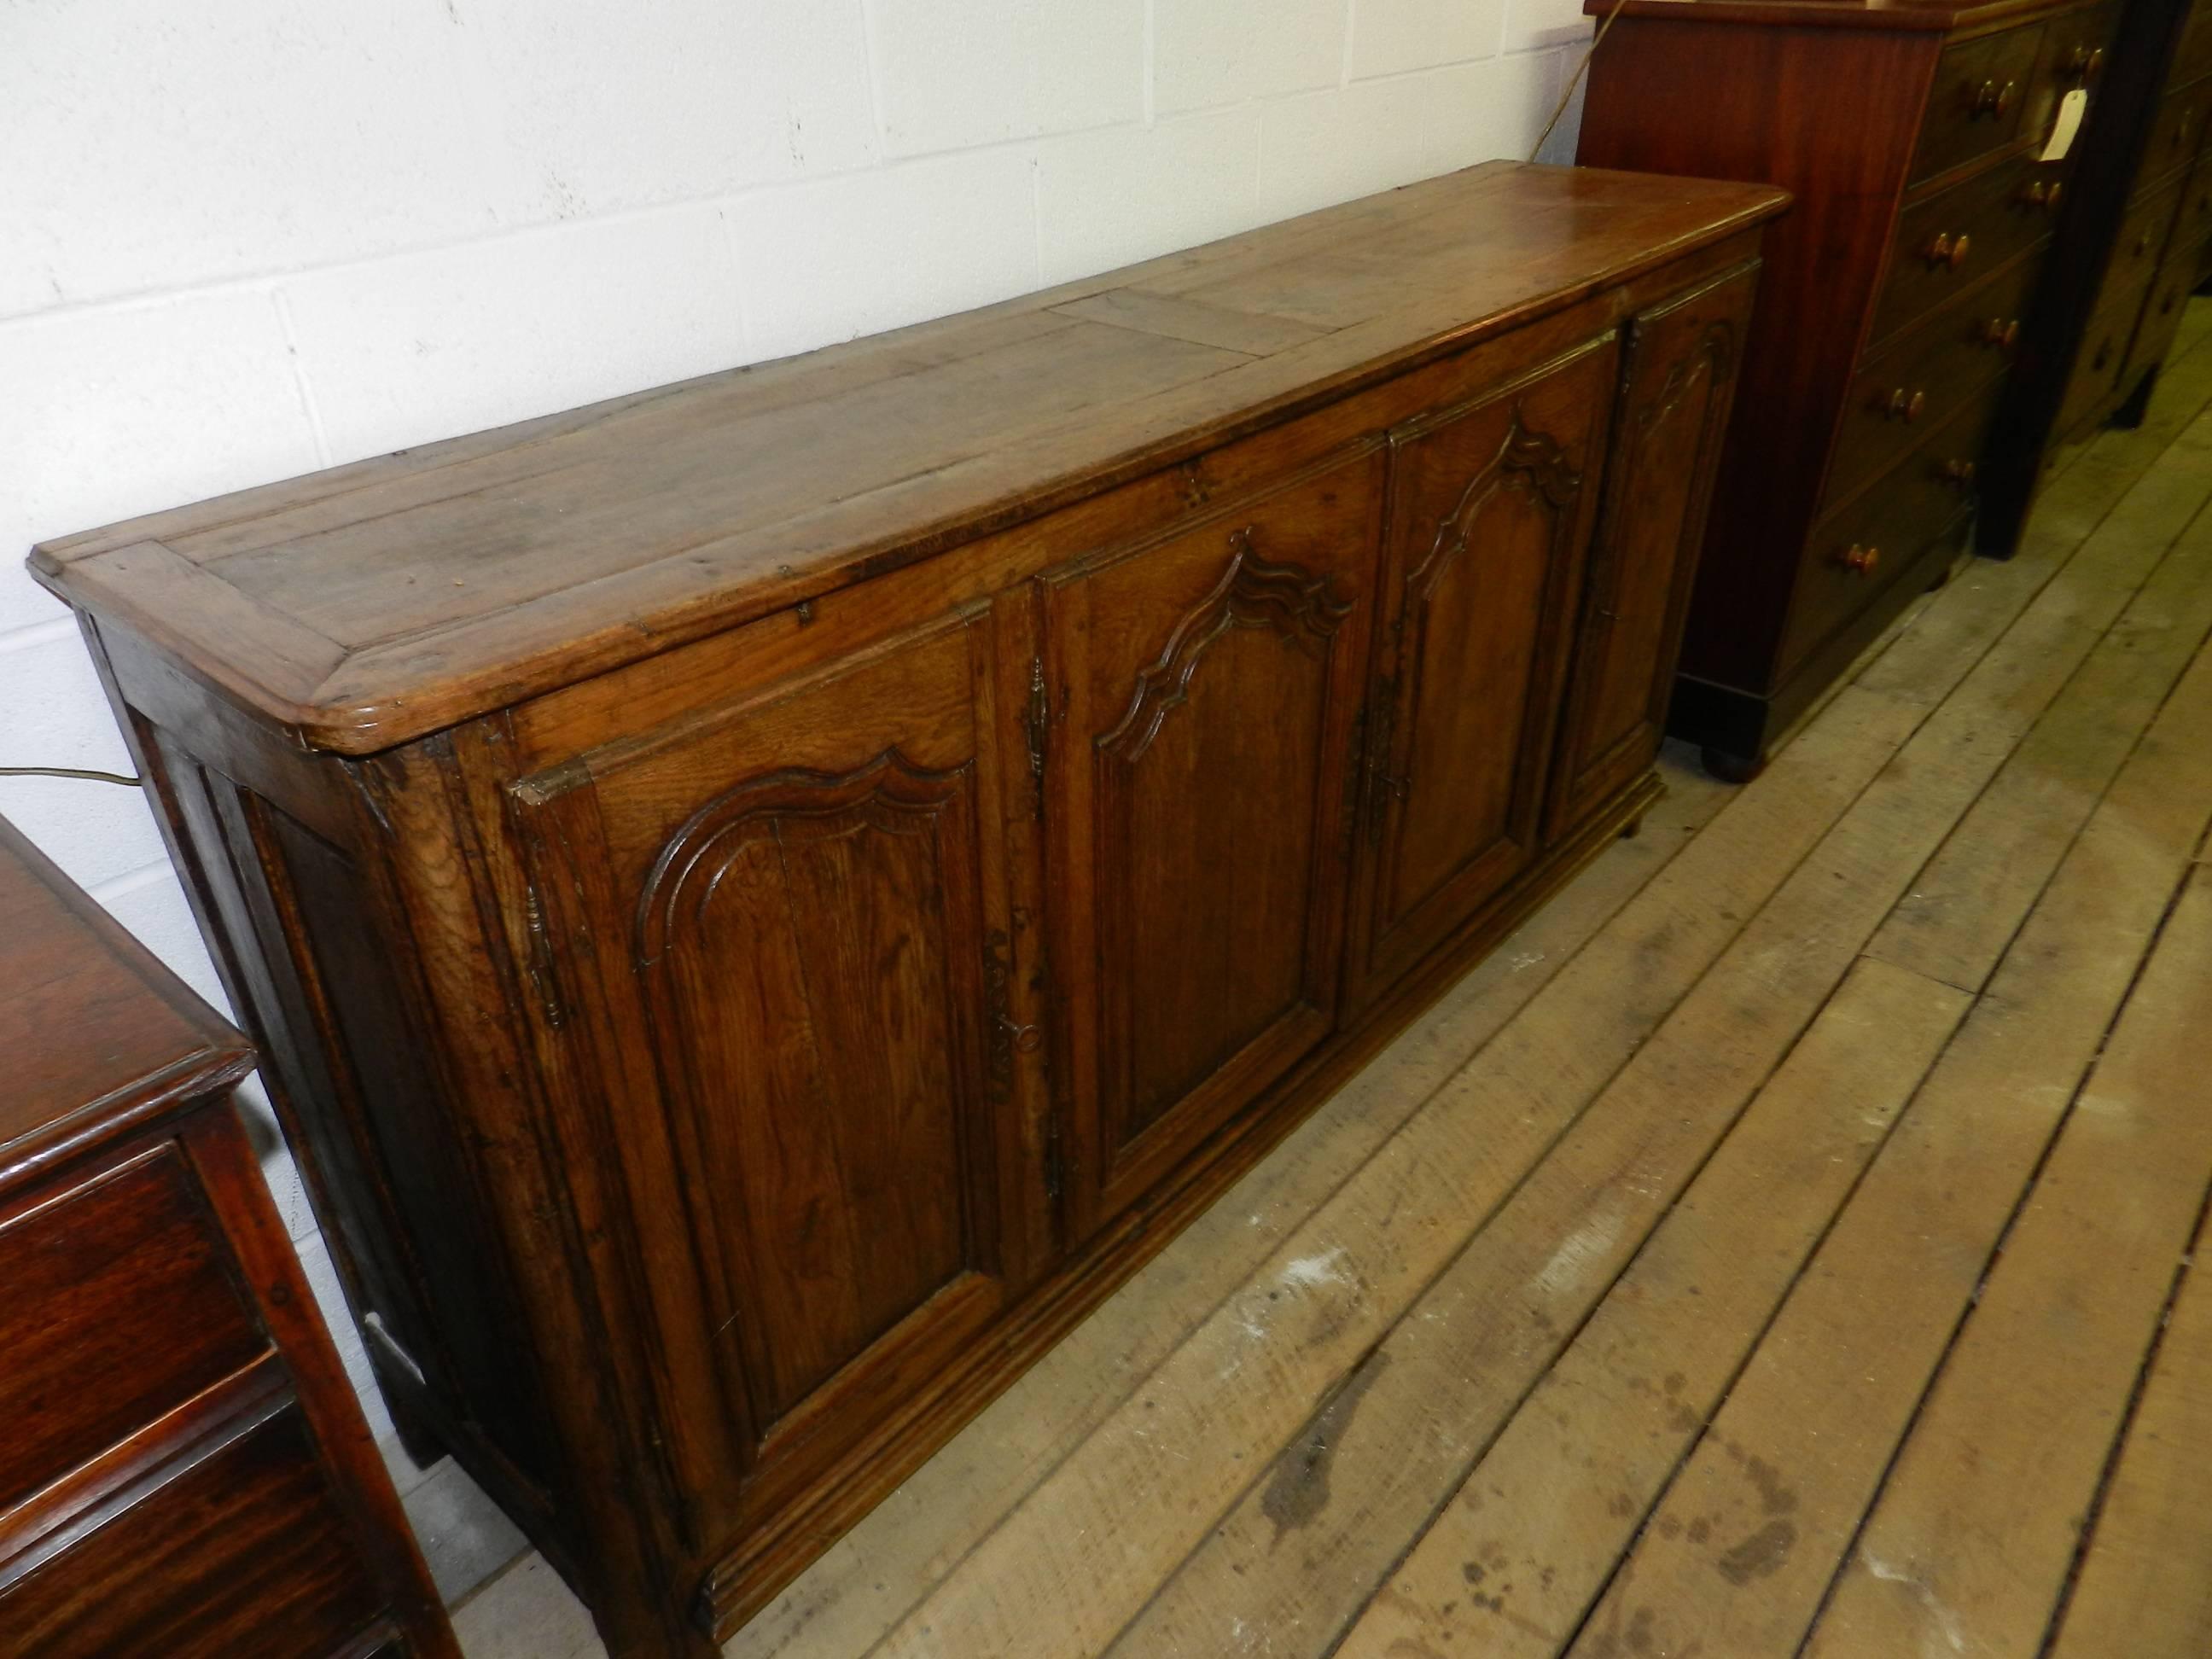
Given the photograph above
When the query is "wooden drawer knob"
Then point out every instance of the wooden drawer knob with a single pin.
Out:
(2083, 62)
(1991, 98)
(1859, 561)
(2038, 194)
(1960, 473)
(1946, 250)
(1904, 405)
(2001, 333)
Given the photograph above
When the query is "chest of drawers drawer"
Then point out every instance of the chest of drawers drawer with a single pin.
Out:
(256, 1558)
(2142, 239)
(119, 1308)
(1974, 105)
(2160, 318)
(2175, 137)
(2193, 222)
(1917, 381)
(1943, 244)
(1855, 553)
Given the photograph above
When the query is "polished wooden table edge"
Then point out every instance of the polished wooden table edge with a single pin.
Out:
(1898, 18)
(322, 712)
(222, 1060)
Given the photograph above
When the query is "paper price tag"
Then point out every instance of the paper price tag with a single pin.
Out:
(2070, 109)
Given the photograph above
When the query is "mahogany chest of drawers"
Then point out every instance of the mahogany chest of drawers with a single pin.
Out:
(1912, 137)
(185, 1473)
(771, 896)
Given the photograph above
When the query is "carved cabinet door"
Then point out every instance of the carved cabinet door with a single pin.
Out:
(1197, 770)
(783, 920)
(1677, 383)
(1491, 509)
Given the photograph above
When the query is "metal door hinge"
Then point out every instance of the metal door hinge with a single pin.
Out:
(1039, 719)
(1381, 787)
(539, 965)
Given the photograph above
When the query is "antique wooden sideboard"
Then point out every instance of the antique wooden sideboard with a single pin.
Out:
(185, 1471)
(1913, 137)
(765, 899)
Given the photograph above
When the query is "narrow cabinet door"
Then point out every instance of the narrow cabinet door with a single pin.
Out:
(1198, 762)
(1491, 509)
(783, 921)
(1677, 385)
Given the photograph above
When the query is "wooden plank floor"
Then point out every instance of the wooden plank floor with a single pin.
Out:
(1782, 1245)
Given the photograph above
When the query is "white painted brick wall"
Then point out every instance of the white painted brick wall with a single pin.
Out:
(240, 241)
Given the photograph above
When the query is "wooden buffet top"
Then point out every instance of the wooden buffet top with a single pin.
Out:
(369, 605)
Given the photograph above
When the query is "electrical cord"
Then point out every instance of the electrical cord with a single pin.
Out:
(88, 775)
(1567, 92)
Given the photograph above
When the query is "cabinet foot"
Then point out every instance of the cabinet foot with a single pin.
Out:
(2129, 415)
(1732, 769)
(1632, 828)
(417, 1438)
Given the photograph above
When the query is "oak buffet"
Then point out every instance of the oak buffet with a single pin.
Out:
(765, 899)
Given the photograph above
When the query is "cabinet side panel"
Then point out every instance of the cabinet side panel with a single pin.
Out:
(465, 1301)
(350, 1077)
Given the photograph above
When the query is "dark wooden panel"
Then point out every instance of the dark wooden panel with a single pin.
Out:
(1203, 694)
(241, 1553)
(1491, 510)
(1675, 395)
(119, 1306)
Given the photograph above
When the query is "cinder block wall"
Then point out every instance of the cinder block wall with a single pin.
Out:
(246, 240)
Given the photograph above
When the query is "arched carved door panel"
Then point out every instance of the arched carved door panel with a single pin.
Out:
(790, 916)
(1202, 692)
(1677, 388)
(1490, 515)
